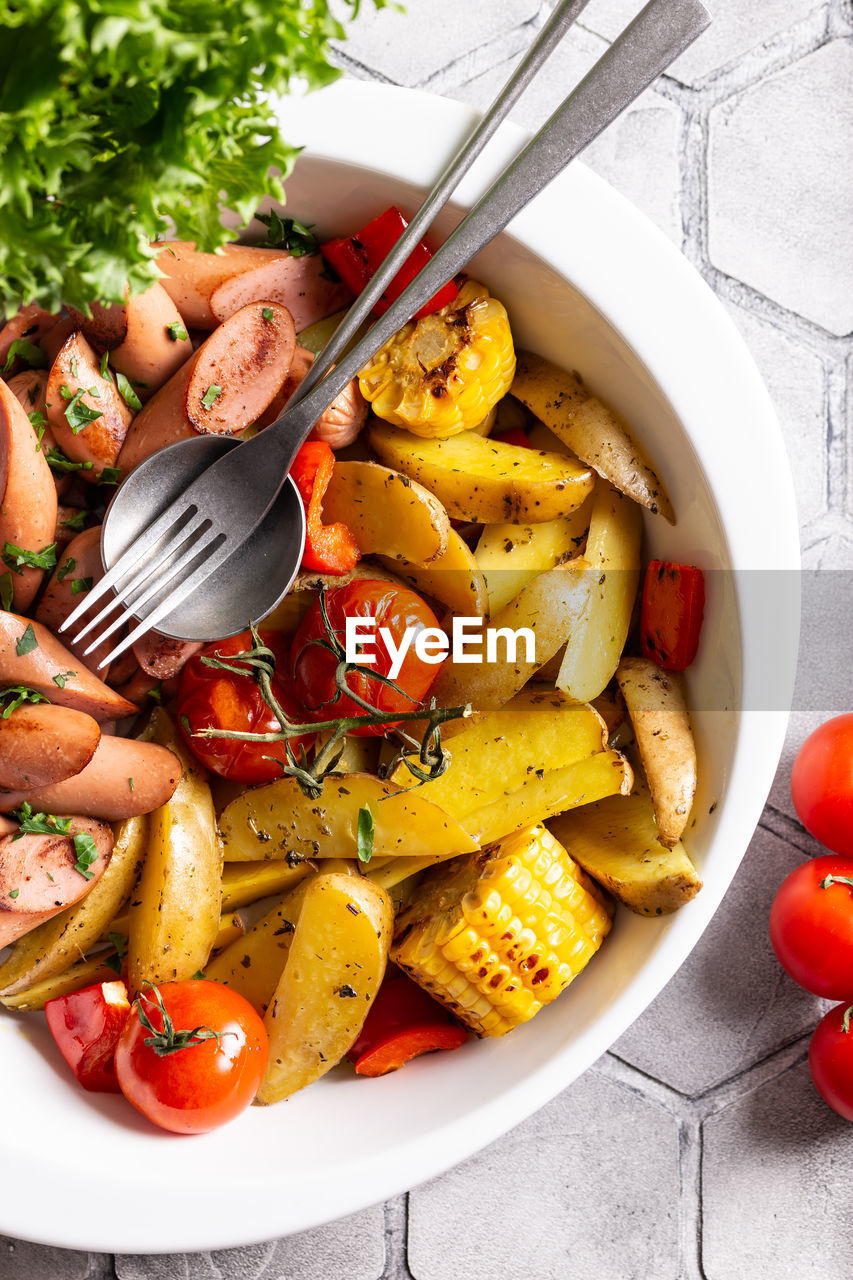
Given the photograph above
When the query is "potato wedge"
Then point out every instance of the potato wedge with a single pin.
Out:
(54, 946)
(453, 579)
(552, 606)
(606, 773)
(387, 512)
(617, 842)
(176, 908)
(511, 555)
(612, 557)
(336, 964)
(658, 711)
(535, 733)
(84, 973)
(481, 479)
(278, 821)
(590, 429)
(245, 882)
(254, 963)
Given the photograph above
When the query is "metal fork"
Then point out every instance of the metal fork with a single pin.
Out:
(196, 534)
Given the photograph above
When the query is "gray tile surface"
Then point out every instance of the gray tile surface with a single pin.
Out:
(698, 1149)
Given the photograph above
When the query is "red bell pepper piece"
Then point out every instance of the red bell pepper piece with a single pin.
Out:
(671, 614)
(329, 548)
(515, 436)
(403, 1023)
(356, 259)
(86, 1026)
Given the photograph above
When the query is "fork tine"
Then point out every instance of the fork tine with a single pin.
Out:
(129, 560)
(166, 606)
(162, 575)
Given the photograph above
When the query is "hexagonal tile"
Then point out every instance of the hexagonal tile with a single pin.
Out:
(730, 1004)
(588, 1186)
(409, 47)
(781, 187)
(796, 382)
(776, 1173)
(736, 28)
(638, 154)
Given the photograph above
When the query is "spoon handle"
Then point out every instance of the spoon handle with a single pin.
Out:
(563, 16)
(659, 33)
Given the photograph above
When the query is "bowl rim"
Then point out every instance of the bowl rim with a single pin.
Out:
(341, 124)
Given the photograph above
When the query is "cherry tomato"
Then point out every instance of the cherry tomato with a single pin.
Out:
(811, 927)
(831, 1060)
(822, 784)
(209, 698)
(209, 1081)
(313, 665)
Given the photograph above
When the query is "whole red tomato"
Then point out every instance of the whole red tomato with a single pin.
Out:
(822, 784)
(831, 1060)
(209, 698)
(811, 926)
(217, 1072)
(313, 665)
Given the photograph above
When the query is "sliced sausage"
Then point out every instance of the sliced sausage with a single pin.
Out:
(27, 495)
(338, 425)
(56, 337)
(42, 744)
(30, 388)
(30, 323)
(39, 875)
(77, 571)
(75, 380)
(138, 339)
(52, 670)
(296, 283)
(161, 656)
(222, 389)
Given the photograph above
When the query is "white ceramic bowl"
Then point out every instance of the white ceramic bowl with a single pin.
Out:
(591, 284)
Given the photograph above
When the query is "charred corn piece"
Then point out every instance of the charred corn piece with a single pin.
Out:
(496, 935)
(445, 373)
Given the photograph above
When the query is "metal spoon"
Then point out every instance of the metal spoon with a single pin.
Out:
(229, 501)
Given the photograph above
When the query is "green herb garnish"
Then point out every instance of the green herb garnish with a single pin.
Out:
(38, 824)
(176, 331)
(127, 393)
(75, 522)
(61, 676)
(27, 351)
(7, 591)
(15, 696)
(78, 415)
(27, 642)
(65, 568)
(364, 834)
(80, 585)
(18, 558)
(57, 460)
(87, 853)
(211, 395)
(109, 475)
(267, 313)
(287, 233)
(13, 893)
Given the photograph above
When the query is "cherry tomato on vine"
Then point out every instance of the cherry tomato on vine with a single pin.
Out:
(206, 1060)
(209, 698)
(811, 926)
(831, 1060)
(822, 784)
(313, 664)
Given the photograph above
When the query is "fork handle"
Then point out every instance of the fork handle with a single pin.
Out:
(659, 33)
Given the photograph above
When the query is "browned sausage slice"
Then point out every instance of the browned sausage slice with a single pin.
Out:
(338, 425)
(39, 876)
(141, 337)
(296, 283)
(27, 495)
(41, 744)
(222, 389)
(31, 655)
(124, 778)
(79, 568)
(162, 657)
(30, 324)
(88, 417)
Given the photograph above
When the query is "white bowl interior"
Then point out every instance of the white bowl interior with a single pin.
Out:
(347, 1142)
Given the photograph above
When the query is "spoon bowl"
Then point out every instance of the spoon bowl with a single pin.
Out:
(249, 584)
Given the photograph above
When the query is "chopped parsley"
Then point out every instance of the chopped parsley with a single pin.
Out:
(364, 834)
(15, 696)
(105, 367)
(13, 893)
(61, 676)
(38, 824)
(211, 395)
(109, 475)
(75, 522)
(287, 233)
(18, 558)
(39, 424)
(267, 313)
(26, 642)
(119, 942)
(80, 585)
(87, 853)
(7, 591)
(57, 460)
(77, 414)
(27, 351)
(65, 568)
(127, 393)
(176, 331)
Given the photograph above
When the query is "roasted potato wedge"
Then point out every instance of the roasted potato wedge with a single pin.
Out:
(481, 479)
(611, 576)
(277, 820)
(658, 711)
(84, 973)
(590, 429)
(387, 512)
(617, 841)
(335, 966)
(454, 579)
(254, 963)
(54, 946)
(552, 606)
(175, 910)
(512, 555)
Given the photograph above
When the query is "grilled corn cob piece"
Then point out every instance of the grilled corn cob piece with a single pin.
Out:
(496, 935)
(445, 373)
